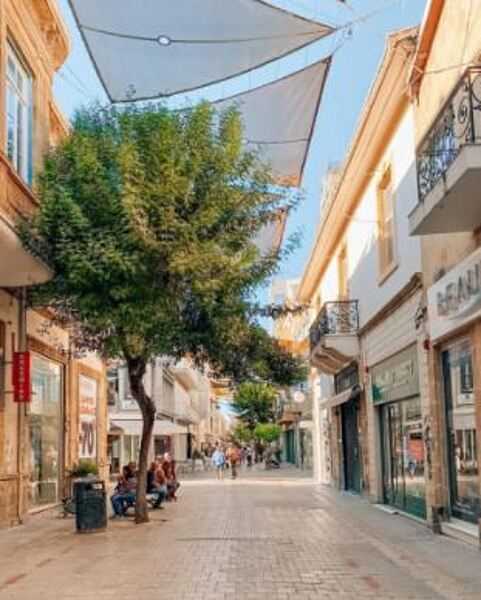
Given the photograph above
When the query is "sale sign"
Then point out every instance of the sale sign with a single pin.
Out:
(21, 377)
(88, 417)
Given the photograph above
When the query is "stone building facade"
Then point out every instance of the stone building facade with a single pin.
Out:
(445, 87)
(66, 417)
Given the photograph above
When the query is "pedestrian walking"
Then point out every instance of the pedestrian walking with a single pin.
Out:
(218, 460)
(233, 456)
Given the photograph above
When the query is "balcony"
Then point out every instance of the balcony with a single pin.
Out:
(333, 336)
(449, 164)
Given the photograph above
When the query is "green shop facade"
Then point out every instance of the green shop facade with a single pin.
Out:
(397, 404)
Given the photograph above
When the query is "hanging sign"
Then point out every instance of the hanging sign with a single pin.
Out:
(21, 379)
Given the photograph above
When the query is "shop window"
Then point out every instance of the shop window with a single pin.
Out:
(45, 430)
(19, 113)
(385, 218)
(113, 387)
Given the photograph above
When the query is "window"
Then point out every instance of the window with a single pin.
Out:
(342, 274)
(385, 214)
(113, 386)
(19, 116)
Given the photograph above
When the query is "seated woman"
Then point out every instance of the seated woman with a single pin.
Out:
(156, 484)
(169, 468)
(124, 493)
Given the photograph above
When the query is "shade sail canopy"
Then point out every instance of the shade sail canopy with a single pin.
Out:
(145, 49)
(279, 119)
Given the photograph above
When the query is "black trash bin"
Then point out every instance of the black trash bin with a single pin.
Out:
(90, 506)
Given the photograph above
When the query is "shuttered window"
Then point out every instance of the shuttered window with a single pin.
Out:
(386, 229)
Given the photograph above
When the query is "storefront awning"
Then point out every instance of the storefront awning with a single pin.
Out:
(146, 49)
(279, 119)
(134, 427)
(342, 397)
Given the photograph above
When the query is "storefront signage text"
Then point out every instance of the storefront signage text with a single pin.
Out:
(21, 379)
(456, 298)
(396, 378)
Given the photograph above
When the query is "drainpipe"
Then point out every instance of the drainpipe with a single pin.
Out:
(21, 408)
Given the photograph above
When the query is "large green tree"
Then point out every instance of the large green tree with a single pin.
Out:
(253, 403)
(149, 218)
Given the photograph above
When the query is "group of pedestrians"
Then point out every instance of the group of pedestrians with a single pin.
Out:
(162, 485)
(231, 458)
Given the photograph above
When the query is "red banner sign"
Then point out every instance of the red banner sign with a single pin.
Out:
(21, 380)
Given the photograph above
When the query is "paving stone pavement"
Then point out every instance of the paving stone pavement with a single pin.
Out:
(262, 536)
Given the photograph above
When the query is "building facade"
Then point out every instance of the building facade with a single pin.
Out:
(294, 409)
(65, 418)
(445, 86)
(183, 400)
(364, 282)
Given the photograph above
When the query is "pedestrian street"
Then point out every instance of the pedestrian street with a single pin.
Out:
(268, 534)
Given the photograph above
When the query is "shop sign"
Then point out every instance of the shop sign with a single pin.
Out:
(455, 299)
(87, 417)
(21, 377)
(396, 378)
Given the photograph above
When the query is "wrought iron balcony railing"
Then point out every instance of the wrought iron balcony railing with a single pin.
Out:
(458, 124)
(340, 317)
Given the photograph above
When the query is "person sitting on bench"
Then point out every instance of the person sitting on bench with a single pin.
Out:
(125, 492)
(156, 484)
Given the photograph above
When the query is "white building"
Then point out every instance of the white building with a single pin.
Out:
(182, 399)
(363, 279)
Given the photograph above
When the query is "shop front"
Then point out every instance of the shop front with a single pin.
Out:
(347, 409)
(454, 307)
(396, 397)
(461, 438)
(46, 431)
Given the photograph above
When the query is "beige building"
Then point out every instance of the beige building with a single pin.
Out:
(445, 86)
(363, 284)
(66, 417)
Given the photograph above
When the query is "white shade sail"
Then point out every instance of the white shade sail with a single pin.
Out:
(279, 119)
(146, 49)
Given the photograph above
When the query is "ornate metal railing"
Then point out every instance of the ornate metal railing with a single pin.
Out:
(340, 317)
(458, 124)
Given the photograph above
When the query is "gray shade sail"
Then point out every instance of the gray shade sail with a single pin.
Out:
(279, 119)
(146, 49)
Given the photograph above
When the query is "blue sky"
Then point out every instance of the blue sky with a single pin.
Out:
(352, 72)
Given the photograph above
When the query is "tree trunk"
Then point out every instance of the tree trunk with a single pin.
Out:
(136, 368)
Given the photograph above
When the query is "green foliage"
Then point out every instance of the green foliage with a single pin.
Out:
(242, 434)
(148, 218)
(268, 432)
(254, 403)
(84, 468)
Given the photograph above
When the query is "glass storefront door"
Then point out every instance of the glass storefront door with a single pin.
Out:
(403, 456)
(46, 430)
(461, 432)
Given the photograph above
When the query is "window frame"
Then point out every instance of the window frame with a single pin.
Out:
(386, 219)
(19, 91)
